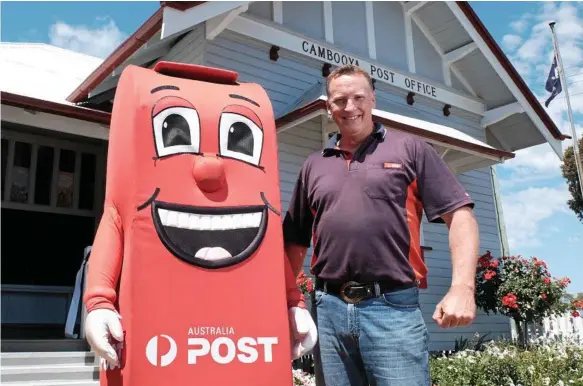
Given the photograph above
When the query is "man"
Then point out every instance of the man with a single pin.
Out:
(360, 201)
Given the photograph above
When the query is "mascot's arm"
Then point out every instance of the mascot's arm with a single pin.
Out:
(105, 262)
(295, 298)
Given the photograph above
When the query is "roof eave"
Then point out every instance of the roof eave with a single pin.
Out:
(320, 104)
(50, 107)
(508, 67)
(124, 51)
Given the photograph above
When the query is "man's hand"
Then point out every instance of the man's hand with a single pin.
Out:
(101, 325)
(303, 331)
(457, 308)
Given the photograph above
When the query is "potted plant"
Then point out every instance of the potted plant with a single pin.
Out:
(521, 289)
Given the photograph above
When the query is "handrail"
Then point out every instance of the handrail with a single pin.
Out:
(77, 301)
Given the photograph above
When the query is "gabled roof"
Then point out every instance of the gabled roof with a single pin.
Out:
(505, 68)
(509, 68)
(43, 71)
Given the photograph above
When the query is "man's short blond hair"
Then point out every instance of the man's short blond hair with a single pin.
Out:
(347, 69)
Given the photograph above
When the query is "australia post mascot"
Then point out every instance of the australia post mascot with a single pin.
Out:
(188, 282)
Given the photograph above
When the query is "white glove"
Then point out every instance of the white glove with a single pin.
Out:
(100, 326)
(303, 331)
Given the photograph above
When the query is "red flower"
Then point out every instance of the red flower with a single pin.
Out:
(547, 280)
(543, 296)
(575, 313)
(510, 301)
(494, 264)
(300, 278)
(489, 274)
(309, 284)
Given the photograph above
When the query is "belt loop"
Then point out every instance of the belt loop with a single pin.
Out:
(377, 289)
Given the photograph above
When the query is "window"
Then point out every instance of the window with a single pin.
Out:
(49, 175)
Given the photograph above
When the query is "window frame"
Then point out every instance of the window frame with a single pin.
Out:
(57, 144)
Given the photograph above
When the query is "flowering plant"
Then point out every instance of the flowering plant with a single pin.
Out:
(522, 289)
(301, 378)
(304, 283)
(546, 361)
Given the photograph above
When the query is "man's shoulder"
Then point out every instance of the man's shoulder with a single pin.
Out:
(403, 143)
(311, 160)
(403, 136)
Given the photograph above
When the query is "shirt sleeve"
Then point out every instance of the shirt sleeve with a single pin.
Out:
(298, 221)
(439, 189)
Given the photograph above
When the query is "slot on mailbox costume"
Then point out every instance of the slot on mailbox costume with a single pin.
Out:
(188, 259)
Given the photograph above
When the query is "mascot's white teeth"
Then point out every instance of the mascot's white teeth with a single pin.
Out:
(207, 222)
(214, 253)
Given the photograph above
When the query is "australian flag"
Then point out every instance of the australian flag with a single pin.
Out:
(553, 84)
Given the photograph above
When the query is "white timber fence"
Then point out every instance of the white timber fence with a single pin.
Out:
(562, 327)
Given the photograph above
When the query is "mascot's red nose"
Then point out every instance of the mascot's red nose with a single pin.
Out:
(209, 173)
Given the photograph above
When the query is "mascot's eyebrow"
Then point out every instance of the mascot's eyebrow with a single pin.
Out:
(166, 87)
(268, 204)
(150, 200)
(235, 96)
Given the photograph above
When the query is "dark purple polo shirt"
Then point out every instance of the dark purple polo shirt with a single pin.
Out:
(362, 212)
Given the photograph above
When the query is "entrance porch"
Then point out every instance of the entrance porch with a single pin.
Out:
(52, 196)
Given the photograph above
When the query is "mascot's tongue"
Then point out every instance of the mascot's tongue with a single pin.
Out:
(212, 253)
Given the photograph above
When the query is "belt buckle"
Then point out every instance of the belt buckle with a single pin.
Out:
(346, 298)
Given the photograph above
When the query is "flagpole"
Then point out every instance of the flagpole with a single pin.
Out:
(578, 164)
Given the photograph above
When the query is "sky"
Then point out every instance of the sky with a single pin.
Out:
(534, 194)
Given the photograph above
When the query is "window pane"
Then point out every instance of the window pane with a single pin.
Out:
(4, 162)
(65, 178)
(44, 173)
(20, 172)
(87, 182)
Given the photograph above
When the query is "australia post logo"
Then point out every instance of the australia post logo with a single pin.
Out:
(207, 343)
(152, 351)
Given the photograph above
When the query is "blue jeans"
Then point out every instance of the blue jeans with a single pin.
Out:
(380, 341)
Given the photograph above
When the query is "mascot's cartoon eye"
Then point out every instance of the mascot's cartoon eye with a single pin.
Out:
(240, 138)
(177, 130)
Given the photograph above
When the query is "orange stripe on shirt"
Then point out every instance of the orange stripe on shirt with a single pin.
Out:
(414, 210)
(314, 241)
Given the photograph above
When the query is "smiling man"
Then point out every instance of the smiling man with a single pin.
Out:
(360, 203)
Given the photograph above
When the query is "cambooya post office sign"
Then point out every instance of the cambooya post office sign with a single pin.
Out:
(319, 51)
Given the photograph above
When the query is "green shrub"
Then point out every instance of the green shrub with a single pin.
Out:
(543, 363)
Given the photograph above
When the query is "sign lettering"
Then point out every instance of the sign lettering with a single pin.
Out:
(318, 51)
(375, 71)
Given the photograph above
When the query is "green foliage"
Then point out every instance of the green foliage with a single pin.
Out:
(569, 171)
(503, 363)
(475, 344)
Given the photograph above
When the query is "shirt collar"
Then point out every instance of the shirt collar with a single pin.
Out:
(379, 132)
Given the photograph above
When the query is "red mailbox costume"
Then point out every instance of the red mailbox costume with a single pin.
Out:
(189, 254)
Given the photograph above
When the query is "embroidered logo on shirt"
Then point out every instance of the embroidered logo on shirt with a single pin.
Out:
(392, 165)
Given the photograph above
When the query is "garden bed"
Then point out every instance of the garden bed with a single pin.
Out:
(544, 362)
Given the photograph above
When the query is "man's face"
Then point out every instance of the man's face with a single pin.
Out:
(350, 102)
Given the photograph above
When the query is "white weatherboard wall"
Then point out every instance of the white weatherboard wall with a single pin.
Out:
(285, 81)
(190, 49)
(479, 186)
(295, 145)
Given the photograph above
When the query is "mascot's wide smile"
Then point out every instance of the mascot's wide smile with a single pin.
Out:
(212, 237)
(209, 237)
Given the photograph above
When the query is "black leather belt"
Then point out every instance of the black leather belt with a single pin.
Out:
(354, 292)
